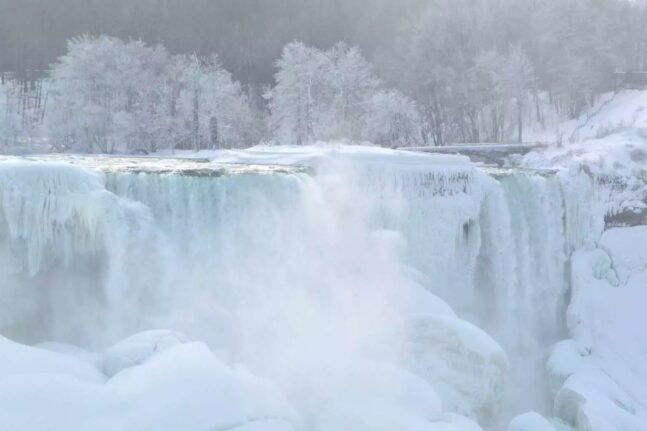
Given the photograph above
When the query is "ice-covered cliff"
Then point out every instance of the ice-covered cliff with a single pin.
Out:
(598, 374)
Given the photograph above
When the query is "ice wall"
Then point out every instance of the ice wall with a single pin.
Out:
(495, 245)
(308, 279)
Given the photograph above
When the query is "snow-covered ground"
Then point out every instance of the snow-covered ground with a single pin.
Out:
(329, 288)
(598, 375)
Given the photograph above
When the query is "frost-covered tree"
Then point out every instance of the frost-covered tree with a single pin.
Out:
(392, 120)
(350, 86)
(491, 95)
(114, 96)
(431, 63)
(22, 109)
(519, 80)
(575, 50)
(457, 61)
(10, 122)
(296, 99)
(213, 109)
(327, 95)
(107, 95)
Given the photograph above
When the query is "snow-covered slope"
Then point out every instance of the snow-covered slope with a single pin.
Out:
(598, 374)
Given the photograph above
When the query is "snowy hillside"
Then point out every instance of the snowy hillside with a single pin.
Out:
(599, 377)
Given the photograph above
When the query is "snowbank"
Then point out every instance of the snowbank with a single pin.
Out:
(313, 155)
(604, 369)
(182, 387)
(598, 377)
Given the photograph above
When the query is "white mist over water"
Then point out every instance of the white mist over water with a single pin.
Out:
(327, 284)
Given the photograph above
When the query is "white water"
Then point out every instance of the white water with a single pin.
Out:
(306, 279)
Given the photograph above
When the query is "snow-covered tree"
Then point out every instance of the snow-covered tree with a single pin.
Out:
(328, 95)
(22, 109)
(10, 123)
(214, 111)
(115, 96)
(392, 120)
(102, 92)
(350, 86)
(519, 80)
(296, 99)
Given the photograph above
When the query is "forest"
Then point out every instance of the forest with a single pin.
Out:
(123, 76)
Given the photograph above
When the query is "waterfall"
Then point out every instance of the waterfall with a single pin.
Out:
(436, 268)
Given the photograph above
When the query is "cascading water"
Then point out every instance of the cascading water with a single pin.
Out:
(308, 279)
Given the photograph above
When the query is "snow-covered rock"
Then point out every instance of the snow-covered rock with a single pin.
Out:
(136, 349)
(182, 387)
(20, 360)
(563, 362)
(531, 421)
(465, 365)
(606, 364)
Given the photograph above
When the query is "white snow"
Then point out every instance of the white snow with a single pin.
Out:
(136, 349)
(606, 386)
(182, 387)
(598, 375)
(531, 421)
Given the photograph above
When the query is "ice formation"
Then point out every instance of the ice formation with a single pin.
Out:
(337, 288)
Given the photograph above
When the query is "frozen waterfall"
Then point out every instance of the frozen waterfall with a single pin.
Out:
(331, 282)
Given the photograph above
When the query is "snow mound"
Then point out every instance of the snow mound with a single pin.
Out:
(530, 421)
(70, 350)
(605, 366)
(610, 138)
(609, 145)
(137, 349)
(613, 113)
(162, 382)
(19, 360)
(621, 154)
(563, 362)
(321, 152)
(187, 387)
(182, 387)
(378, 397)
(465, 365)
(628, 251)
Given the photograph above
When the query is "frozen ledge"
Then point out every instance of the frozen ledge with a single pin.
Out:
(160, 165)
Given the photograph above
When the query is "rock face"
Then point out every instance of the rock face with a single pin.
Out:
(627, 218)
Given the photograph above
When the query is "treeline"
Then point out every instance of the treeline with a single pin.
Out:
(106, 95)
(424, 72)
(109, 96)
(335, 95)
(466, 61)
